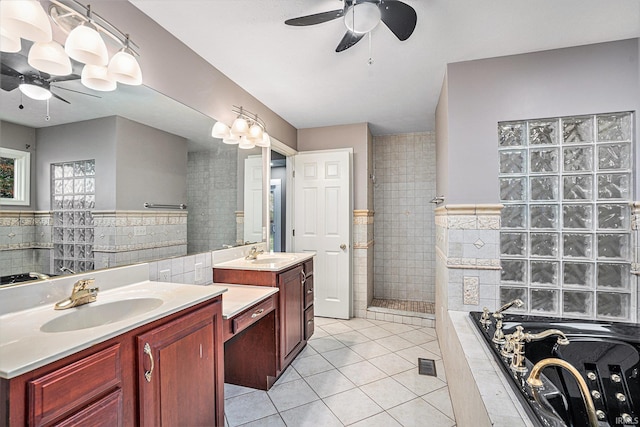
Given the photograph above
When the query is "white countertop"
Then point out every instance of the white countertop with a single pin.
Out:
(275, 261)
(24, 347)
(240, 297)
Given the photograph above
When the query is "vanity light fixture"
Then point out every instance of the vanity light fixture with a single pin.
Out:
(49, 57)
(9, 43)
(25, 19)
(247, 130)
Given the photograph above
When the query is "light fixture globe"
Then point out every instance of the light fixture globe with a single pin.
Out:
(39, 93)
(240, 127)
(85, 45)
(26, 19)
(255, 133)
(220, 130)
(50, 58)
(124, 68)
(246, 144)
(9, 43)
(362, 17)
(97, 78)
(265, 141)
(232, 139)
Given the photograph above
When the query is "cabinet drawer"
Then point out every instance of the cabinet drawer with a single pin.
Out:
(308, 323)
(307, 267)
(253, 314)
(308, 291)
(106, 412)
(63, 391)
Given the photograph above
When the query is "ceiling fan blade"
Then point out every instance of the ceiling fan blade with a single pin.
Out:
(317, 18)
(349, 40)
(9, 82)
(59, 97)
(77, 91)
(399, 17)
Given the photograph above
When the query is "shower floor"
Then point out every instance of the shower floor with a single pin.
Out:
(401, 305)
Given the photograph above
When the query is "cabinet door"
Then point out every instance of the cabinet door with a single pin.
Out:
(180, 371)
(291, 292)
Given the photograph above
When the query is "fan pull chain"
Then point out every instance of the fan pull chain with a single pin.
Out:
(370, 54)
(47, 117)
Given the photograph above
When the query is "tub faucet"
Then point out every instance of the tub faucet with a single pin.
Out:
(67, 270)
(498, 335)
(535, 383)
(515, 345)
(40, 276)
(253, 253)
(82, 293)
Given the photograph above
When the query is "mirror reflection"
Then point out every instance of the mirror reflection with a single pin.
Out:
(97, 158)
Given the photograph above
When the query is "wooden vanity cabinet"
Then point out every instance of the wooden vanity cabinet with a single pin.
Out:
(295, 302)
(105, 385)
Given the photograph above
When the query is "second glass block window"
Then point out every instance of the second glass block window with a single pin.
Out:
(565, 184)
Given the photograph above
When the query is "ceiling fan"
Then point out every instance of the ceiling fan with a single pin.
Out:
(362, 16)
(15, 72)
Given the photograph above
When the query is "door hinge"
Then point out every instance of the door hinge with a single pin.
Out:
(294, 232)
(294, 173)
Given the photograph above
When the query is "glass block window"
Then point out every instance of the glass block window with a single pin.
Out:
(72, 199)
(565, 238)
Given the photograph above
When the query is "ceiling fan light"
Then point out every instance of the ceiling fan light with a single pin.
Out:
(265, 141)
(85, 45)
(97, 78)
(255, 132)
(362, 17)
(240, 127)
(9, 43)
(36, 92)
(26, 19)
(125, 69)
(50, 58)
(220, 130)
(246, 144)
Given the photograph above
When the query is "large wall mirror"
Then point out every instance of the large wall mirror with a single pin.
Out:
(98, 157)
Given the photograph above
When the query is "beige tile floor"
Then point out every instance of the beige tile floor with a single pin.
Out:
(353, 372)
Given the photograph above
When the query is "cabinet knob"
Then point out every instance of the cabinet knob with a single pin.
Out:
(343, 246)
(147, 351)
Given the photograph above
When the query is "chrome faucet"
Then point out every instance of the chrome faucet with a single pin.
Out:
(535, 383)
(40, 276)
(254, 252)
(498, 336)
(514, 347)
(67, 270)
(83, 293)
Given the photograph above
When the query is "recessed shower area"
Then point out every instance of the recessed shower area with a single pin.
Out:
(404, 183)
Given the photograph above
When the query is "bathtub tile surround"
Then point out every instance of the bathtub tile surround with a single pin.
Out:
(566, 185)
(125, 237)
(404, 170)
(25, 241)
(468, 257)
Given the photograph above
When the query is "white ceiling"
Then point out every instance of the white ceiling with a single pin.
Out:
(296, 72)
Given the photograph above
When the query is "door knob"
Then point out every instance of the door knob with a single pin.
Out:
(343, 246)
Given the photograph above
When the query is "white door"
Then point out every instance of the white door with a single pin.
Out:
(322, 224)
(253, 199)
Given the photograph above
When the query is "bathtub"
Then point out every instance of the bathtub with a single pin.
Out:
(606, 354)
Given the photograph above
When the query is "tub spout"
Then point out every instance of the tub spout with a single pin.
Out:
(534, 381)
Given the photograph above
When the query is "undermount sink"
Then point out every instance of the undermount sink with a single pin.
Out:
(272, 260)
(90, 316)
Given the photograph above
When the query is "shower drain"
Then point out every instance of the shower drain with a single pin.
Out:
(427, 367)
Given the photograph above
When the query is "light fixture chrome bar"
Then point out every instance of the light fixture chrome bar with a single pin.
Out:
(248, 115)
(87, 14)
(162, 206)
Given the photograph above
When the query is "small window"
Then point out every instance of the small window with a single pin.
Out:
(14, 177)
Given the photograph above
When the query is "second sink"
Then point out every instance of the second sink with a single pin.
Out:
(89, 316)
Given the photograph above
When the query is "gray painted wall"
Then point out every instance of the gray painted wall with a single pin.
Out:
(91, 139)
(356, 136)
(17, 137)
(151, 166)
(589, 79)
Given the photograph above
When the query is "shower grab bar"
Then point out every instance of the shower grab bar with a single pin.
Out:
(161, 206)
